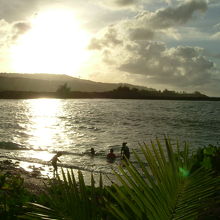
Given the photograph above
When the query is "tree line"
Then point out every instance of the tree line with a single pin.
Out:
(122, 92)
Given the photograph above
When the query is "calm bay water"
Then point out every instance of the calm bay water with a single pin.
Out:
(33, 130)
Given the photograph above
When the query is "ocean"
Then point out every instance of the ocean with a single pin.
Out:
(32, 131)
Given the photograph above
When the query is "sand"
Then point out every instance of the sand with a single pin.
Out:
(36, 177)
(33, 181)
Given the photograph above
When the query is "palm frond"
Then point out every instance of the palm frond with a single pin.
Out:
(68, 199)
(165, 189)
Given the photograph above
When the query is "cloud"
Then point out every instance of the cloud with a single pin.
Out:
(4, 32)
(214, 2)
(216, 36)
(132, 48)
(141, 34)
(14, 10)
(180, 66)
(19, 28)
(3, 25)
(216, 56)
(121, 4)
(217, 26)
(149, 25)
(172, 16)
(109, 39)
(9, 32)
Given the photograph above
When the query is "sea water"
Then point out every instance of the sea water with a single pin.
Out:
(33, 130)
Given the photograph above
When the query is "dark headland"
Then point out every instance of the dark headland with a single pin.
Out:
(31, 86)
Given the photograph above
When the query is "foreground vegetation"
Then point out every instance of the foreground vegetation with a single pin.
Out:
(175, 184)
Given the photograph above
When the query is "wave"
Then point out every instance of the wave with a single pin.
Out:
(86, 153)
(25, 159)
(12, 146)
(107, 167)
(63, 165)
(7, 145)
(69, 153)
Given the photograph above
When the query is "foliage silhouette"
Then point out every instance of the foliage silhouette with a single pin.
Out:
(13, 196)
(164, 190)
(122, 92)
(67, 199)
(167, 188)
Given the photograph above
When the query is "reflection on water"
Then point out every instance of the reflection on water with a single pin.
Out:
(40, 155)
(43, 121)
(43, 170)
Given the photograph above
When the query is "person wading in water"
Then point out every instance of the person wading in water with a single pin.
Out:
(125, 151)
(54, 162)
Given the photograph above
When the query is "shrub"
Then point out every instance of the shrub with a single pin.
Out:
(13, 196)
(208, 157)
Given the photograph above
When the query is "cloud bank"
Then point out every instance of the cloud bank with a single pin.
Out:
(136, 47)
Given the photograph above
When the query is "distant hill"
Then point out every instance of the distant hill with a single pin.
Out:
(51, 82)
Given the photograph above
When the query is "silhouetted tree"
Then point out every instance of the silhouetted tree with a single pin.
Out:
(123, 89)
(198, 94)
(63, 89)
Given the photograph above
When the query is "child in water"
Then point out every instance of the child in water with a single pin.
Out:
(54, 162)
(111, 156)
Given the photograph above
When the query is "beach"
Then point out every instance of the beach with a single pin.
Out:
(34, 182)
(35, 178)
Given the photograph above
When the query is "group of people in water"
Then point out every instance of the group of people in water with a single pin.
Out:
(111, 156)
(125, 153)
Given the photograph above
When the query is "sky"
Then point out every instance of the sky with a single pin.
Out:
(161, 44)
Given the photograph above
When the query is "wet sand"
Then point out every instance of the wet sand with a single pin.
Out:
(33, 181)
(36, 177)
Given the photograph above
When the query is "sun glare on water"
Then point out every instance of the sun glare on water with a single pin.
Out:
(54, 44)
(43, 122)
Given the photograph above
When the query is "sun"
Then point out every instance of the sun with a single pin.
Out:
(55, 44)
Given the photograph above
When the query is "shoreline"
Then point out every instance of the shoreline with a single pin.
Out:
(102, 95)
(34, 179)
(34, 182)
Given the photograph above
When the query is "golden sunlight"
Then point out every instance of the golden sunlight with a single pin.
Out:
(55, 44)
(43, 121)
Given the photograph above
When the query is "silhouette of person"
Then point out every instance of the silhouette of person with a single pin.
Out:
(92, 151)
(54, 162)
(125, 151)
(111, 156)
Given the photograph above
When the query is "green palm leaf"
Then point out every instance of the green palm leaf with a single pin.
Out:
(165, 189)
(68, 199)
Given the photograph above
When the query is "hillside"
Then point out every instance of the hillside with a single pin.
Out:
(51, 82)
